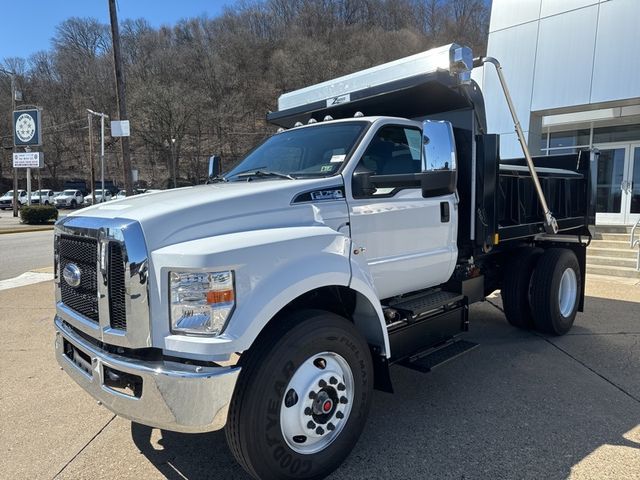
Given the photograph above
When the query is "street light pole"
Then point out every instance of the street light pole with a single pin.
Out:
(173, 161)
(12, 75)
(102, 117)
(91, 160)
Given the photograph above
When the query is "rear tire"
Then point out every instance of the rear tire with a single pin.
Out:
(555, 292)
(74, 204)
(516, 287)
(269, 427)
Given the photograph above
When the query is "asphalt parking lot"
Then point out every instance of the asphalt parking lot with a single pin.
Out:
(519, 406)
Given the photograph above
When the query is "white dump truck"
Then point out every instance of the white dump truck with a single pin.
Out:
(272, 301)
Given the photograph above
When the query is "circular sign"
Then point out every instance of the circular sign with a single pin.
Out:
(25, 127)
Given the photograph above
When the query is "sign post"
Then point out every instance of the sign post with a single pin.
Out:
(27, 133)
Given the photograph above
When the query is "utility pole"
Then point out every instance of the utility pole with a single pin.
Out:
(91, 162)
(120, 95)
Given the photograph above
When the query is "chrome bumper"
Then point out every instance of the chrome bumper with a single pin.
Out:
(174, 396)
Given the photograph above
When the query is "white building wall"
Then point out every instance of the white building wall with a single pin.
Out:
(559, 56)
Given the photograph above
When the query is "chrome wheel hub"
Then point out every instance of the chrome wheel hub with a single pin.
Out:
(317, 403)
(568, 292)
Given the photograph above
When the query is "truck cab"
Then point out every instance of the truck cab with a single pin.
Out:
(271, 301)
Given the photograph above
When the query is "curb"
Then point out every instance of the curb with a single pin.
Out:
(26, 229)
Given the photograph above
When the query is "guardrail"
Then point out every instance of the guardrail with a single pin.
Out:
(635, 242)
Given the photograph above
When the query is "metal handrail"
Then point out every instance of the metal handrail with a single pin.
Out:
(635, 242)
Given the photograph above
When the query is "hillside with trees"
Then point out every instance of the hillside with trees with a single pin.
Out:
(207, 83)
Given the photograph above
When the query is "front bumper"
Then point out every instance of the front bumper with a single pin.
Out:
(173, 396)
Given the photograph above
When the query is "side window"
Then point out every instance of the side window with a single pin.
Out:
(394, 150)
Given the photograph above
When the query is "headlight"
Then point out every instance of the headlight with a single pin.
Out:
(201, 302)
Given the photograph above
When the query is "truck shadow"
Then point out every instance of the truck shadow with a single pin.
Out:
(520, 406)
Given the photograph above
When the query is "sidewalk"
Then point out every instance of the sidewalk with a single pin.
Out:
(11, 224)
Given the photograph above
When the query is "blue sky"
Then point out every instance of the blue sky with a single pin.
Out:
(27, 27)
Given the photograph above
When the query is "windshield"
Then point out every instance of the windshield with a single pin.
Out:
(317, 151)
(69, 192)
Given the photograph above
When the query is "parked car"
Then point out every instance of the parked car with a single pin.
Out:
(6, 201)
(69, 199)
(99, 196)
(44, 197)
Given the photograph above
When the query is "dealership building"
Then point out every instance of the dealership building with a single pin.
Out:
(573, 68)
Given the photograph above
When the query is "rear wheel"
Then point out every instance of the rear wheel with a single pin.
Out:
(302, 397)
(516, 286)
(555, 291)
(74, 204)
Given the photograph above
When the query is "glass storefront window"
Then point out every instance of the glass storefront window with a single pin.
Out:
(571, 138)
(619, 133)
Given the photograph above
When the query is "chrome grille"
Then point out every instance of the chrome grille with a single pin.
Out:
(111, 254)
(83, 252)
(117, 289)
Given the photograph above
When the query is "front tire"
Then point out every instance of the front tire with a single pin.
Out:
(555, 291)
(302, 397)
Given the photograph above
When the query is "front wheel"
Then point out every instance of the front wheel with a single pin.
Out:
(555, 291)
(302, 398)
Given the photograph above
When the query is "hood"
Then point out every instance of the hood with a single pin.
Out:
(183, 214)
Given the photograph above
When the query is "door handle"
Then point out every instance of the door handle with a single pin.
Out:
(444, 212)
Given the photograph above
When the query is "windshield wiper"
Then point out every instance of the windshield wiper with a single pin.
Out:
(263, 173)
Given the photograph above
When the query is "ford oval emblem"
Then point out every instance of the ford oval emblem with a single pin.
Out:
(72, 275)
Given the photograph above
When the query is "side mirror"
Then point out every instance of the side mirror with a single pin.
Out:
(215, 164)
(361, 182)
(438, 158)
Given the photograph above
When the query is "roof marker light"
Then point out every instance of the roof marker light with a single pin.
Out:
(358, 114)
(297, 124)
(280, 130)
(327, 118)
(312, 120)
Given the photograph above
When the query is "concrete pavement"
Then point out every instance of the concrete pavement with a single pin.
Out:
(521, 405)
(21, 252)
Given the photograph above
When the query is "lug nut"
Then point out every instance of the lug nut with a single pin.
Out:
(341, 387)
(330, 426)
(312, 395)
(339, 415)
(308, 411)
(311, 425)
(333, 380)
(320, 431)
(344, 400)
(322, 383)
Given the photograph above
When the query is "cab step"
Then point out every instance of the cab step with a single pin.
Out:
(418, 305)
(426, 361)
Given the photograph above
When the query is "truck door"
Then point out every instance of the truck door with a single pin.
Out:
(409, 241)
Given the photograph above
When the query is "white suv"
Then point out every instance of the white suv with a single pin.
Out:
(99, 197)
(6, 200)
(44, 197)
(69, 199)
